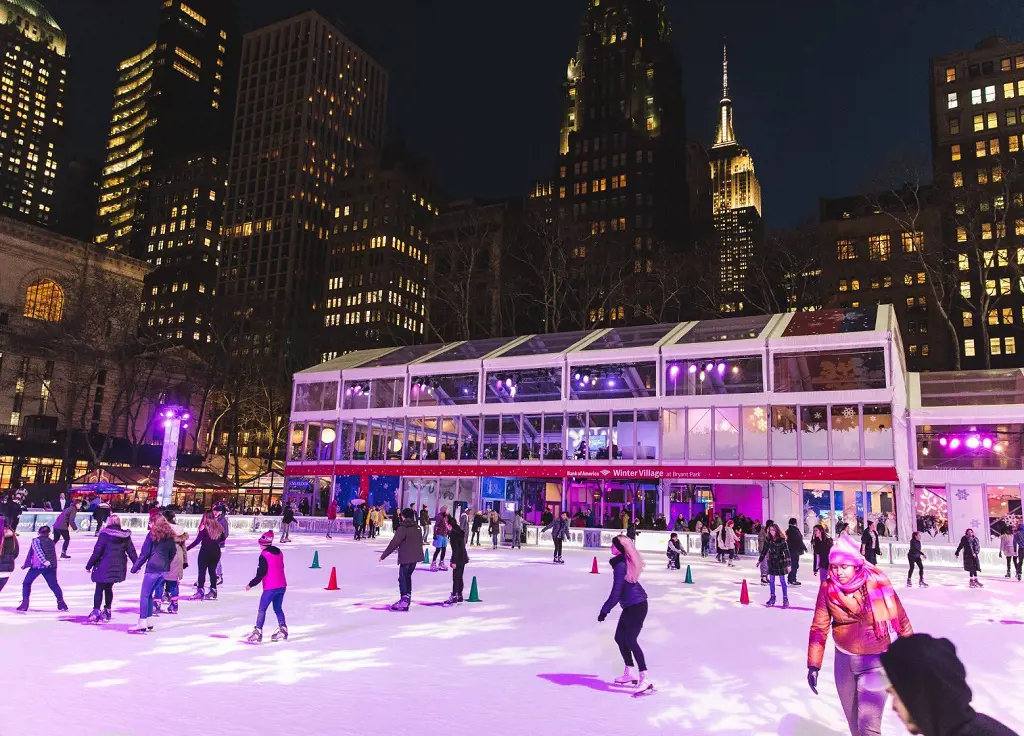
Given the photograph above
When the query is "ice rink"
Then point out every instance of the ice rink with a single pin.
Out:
(530, 658)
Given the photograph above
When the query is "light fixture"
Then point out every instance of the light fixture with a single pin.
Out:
(987, 443)
(924, 450)
(508, 383)
(611, 382)
(693, 368)
(735, 370)
(954, 443)
(512, 392)
(709, 367)
(328, 436)
(721, 368)
(673, 371)
(702, 376)
(943, 441)
(973, 442)
(576, 377)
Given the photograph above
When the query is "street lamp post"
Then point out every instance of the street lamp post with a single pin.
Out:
(175, 419)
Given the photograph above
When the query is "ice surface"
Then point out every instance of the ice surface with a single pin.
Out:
(529, 659)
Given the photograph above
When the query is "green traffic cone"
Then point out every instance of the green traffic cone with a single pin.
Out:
(689, 577)
(316, 561)
(474, 595)
(426, 556)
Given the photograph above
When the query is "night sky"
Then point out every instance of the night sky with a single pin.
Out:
(825, 91)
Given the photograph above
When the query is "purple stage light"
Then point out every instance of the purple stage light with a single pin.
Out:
(693, 369)
(954, 443)
(611, 381)
(576, 377)
(987, 443)
(721, 368)
(973, 442)
(673, 371)
(709, 367)
(508, 383)
(943, 441)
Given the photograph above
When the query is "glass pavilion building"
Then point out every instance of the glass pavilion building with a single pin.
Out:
(809, 415)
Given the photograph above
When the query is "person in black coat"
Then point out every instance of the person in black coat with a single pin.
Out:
(408, 541)
(287, 519)
(109, 565)
(459, 560)
(821, 546)
(914, 556)
(869, 544)
(795, 540)
(478, 522)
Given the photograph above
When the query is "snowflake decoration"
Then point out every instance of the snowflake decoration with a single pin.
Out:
(975, 523)
(849, 412)
(962, 494)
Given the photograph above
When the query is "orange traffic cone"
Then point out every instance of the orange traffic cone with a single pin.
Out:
(593, 569)
(744, 595)
(332, 584)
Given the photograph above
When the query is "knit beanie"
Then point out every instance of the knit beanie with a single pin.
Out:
(267, 539)
(846, 551)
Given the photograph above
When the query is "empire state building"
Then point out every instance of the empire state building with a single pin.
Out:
(736, 199)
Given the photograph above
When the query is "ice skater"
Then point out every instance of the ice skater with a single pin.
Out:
(627, 592)
(41, 560)
(705, 539)
(171, 588)
(776, 551)
(559, 533)
(494, 525)
(357, 522)
(210, 532)
(869, 544)
(518, 528)
(109, 566)
(424, 522)
(408, 540)
(478, 522)
(442, 526)
(270, 572)
(725, 541)
(1006, 548)
(332, 514)
(1018, 550)
(796, 548)
(914, 556)
(157, 555)
(674, 552)
(287, 519)
(460, 558)
(859, 605)
(222, 519)
(9, 551)
(821, 547)
(971, 548)
(64, 520)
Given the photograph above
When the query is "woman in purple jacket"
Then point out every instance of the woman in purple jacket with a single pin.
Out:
(627, 592)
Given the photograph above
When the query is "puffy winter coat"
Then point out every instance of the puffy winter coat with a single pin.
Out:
(109, 559)
(854, 631)
(725, 537)
(821, 549)
(559, 529)
(464, 522)
(287, 516)
(442, 525)
(424, 517)
(1006, 545)
(914, 553)
(42, 555)
(156, 556)
(9, 550)
(777, 552)
(796, 541)
(971, 548)
(408, 540)
(66, 518)
(457, 543)
(623, 593)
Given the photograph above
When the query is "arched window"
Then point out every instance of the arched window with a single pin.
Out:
(44, 300)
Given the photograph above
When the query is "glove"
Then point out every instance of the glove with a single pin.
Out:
(601, 617)
(812, 679)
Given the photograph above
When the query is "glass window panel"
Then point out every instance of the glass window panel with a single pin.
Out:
(648, 422)
(880, 500)
(533, 431)
(817, 507)
(312, 440)
(727, 433)
(699, 377)
(598, 435)
(613, 381)
(845, 432)
(469, 438)
(446, 390)
(576, 436)
(624, 444)
(430, 449)
(878, 432)
(733, 328)
(356, 395)
(344, 443)
(546, 344)
(297, 438)
(631, 337)
(1004, 509)
(674, 434)
(537, 384)
(321, 396)
(699, 434)
(386, 393)
(414, 438)
(492, 430)
(755, 433)
(932, 511)
(401, 356)
(784, 433)
(848, 370)
(378, 439)
(960, 388)
(359, 441)
(510, 428)
(472, 350)
(847, 502)
(554, 442)
(813, 434)
(448, 436)
(832, 321)
(995, 446)
(396, 439)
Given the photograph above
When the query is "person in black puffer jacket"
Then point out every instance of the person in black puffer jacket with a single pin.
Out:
(627, 592)
(109, 565)
(42, 560)
(460, 558)
(287, 519)
(9, 551)
(776, 550)
(210, 535)
(821, 546)
(915, 555)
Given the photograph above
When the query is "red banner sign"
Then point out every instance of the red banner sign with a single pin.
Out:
(604, 472)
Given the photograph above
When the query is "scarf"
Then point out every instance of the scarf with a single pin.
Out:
(881, 598)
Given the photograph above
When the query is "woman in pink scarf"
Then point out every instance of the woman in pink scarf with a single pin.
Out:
(858, 603)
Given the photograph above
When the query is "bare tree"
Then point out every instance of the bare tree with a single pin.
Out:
(785, 274)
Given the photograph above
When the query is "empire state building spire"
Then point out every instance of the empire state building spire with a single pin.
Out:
(725, 136)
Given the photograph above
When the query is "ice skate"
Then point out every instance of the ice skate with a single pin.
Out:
(452, 600)
(157, 609)
(402, 604)
(220, 580)
(23, 606)
(280, 635)
(977, 583)
(64, 556)
(255, 637)
(212, 595)
(94, 617)
(198, 595)
(1018, 577)
(785, 602)
(910, 584)
(106, 614)
(172, 607)
(923, 584)
(771, 602)
(796, 583)
(1007, 575)
(764, 580)
(62, 606)
(643, 687)
(627, 678)
(433, 567)
(142, 626)
(442, 567)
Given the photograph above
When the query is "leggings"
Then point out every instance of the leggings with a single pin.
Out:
(920, 569)
(442, 551)
(1019, 563)
(475, 538)
(208, 563)
(771, 585)
(457, 583)
(104, 592)
(631, 622)
(863, 707)
(558, 548)
(1009, 564)
(57, 534)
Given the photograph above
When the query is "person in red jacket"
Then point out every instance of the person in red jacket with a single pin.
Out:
(858, 603)
(270, 572)
(332, 514)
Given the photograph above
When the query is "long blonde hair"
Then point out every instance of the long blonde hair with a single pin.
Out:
(214, 530)
(634, 562)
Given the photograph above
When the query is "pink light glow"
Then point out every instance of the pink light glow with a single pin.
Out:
(954, 443)
(673, 371)
(986, 443)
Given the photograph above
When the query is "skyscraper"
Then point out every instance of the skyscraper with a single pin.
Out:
(977, 118)
(162, 188)
(622, 166)
(33, 79)
(377, 274)
(736, 199)
(309, 100)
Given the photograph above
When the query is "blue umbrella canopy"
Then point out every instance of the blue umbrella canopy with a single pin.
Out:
(101, 487)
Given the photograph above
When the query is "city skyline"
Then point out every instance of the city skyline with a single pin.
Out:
(797, 163)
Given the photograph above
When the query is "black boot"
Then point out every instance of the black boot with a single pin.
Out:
(24, 605)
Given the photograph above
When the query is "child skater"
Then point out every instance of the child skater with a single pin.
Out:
(271, 573)
(674, 552)
(914, 556)
(627, 592)
(460, 558)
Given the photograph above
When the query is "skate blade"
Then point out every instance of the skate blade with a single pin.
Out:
(649, 690)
